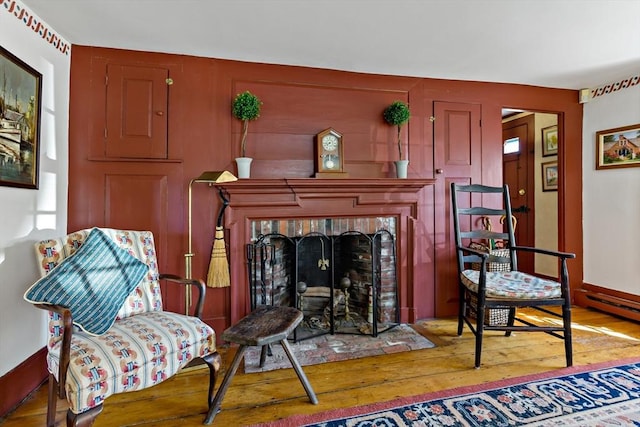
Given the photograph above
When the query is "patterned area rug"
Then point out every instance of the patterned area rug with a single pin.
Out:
(333, 348)
(601, 395)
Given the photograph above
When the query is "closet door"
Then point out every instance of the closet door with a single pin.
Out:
(457, 158)
(136, 122)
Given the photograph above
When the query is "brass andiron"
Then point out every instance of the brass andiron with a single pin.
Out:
(345, 284)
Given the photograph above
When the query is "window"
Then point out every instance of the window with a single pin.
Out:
(511, 145)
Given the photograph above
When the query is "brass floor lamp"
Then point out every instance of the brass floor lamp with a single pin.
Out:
(212, 178)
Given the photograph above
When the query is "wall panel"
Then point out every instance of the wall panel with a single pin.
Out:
(298, 103)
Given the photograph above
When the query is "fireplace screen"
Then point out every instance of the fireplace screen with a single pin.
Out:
(343, 283)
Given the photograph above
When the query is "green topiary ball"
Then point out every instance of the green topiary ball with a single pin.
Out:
(397, 113)
(246, 106)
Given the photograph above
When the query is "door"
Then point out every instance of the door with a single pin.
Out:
(137, 105)
(518, 137)
(457, 158)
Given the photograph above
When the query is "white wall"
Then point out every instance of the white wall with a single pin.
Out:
(30, 215)
(611, 198)
(546, 204)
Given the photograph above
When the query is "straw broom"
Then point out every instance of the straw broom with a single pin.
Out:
(218, 275)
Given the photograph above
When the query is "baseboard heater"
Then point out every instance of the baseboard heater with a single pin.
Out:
(614, 304)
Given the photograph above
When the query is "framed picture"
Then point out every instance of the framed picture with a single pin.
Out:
(550, 176)
(20, 92)
(618, 148)
(550, 141)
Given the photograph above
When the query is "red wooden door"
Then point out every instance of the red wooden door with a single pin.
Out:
(457, 158)
(518, 174)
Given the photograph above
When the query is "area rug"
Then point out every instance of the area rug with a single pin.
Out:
(606, 394)
(333, 348)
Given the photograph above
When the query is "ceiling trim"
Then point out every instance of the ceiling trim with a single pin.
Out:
(32, 21)
(614, 87)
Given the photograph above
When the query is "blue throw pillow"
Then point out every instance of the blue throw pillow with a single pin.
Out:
(94, 283)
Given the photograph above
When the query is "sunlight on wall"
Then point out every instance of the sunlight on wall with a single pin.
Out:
(46, 208)
(48, 135)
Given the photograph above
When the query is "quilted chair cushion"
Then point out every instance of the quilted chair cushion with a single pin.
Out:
(512, 284)
(137, 352)
(99, 274)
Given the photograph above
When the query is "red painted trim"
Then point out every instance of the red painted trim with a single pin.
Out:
(18, 383)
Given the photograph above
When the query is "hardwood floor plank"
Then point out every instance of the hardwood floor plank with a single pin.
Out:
(268, 396)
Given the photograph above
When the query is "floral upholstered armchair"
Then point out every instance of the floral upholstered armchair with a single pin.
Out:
(108, 332)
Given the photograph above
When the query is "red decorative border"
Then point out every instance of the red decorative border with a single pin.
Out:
(613, 87)
(38, 27)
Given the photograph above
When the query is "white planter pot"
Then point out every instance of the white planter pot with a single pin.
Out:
(244, 166)
(401, 168)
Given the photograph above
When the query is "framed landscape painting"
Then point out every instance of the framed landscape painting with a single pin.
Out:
(550, 176)
(618, 148)
(20, 92)
(550, 141)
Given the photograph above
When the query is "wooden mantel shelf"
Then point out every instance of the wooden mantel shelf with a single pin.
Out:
(275, 191)
(315, 184)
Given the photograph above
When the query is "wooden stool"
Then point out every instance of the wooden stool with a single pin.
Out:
(263, 326)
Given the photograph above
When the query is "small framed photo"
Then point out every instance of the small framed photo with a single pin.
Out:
(550, 141)
(618, 148)
(550, 176)
(20, 89)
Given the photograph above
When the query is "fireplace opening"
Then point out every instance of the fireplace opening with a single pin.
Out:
(343, 282)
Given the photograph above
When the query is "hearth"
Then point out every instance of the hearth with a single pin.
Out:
(341, 272)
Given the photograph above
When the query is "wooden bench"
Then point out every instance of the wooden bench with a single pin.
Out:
(264, 326)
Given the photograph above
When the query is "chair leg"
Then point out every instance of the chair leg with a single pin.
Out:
(301, 375)
(568, 345)
(479, 334)
(214, 361)
(264, 352)
(461, 309)
(511, 320)
(52, 400)
(84, 419)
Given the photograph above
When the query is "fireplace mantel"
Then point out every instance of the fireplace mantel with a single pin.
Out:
(267, 199)
(289, 192)
(314, 184)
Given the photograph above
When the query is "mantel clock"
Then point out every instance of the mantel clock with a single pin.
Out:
(329, 151)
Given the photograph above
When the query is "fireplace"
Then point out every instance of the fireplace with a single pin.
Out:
(340, 272)
(295, 208)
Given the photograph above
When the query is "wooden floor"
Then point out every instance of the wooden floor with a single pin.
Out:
(262, 397)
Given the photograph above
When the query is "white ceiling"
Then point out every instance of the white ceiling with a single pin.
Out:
(569, 44)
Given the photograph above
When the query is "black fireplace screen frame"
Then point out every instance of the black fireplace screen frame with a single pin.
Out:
(324, 272)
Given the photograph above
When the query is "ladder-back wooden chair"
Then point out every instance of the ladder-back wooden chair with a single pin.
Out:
(489, 279)
(108, 332)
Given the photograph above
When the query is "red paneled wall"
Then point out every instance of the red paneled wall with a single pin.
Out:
(113, 183)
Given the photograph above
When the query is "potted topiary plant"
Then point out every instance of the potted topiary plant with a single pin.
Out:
(246, 107)
(397, 114)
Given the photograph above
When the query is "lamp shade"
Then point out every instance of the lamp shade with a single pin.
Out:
(216, 177)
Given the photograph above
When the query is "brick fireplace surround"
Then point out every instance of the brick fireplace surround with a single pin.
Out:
(280, 199)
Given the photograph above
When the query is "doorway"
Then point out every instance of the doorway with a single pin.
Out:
(535, 205)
